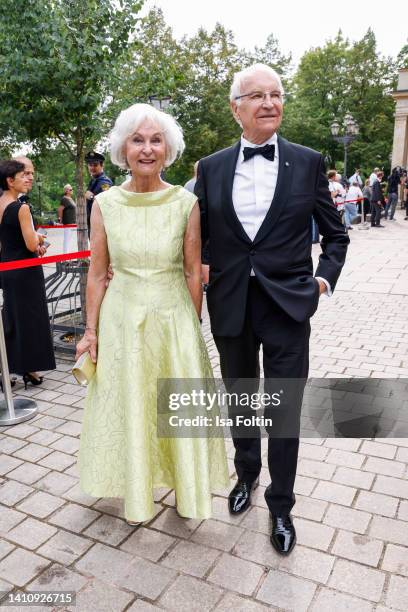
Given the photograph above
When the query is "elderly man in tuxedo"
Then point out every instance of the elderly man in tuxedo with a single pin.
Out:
(257, 199)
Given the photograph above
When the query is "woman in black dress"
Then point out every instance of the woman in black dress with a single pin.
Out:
(25, 314)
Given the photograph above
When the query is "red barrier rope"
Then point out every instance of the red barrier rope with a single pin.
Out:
(57, 226)
(348, 202)
(40, 261)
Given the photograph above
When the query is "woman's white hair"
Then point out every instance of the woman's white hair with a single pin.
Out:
(239, 77)
(128, 122)
(67, 187)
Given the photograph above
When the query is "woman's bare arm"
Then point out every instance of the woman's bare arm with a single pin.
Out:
(60, 212)
(192, 258)
(96, 285)
(31, 238)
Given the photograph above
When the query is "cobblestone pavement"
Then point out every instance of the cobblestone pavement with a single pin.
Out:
(352, 494)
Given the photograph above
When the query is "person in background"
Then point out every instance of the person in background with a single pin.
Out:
(98, 184)
(25, 313)
(28, 170)
(393, 183)
(337, 191)
(377, 198)
(367, 197)
(373, 176)
(342, 180)
(191, 182)
(67, 216)
(354, 194)
(356, 178)
(405, 194)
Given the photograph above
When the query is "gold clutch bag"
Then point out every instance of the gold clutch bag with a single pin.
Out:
(84, 369)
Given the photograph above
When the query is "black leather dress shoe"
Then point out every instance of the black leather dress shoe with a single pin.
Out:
(283, 536)
(240, 497)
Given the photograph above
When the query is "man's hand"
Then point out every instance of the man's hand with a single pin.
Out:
(322, 287)
(89, 195)
(110, 275)
(205, 272)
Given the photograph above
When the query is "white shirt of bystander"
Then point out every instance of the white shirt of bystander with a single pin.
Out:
(354, 193)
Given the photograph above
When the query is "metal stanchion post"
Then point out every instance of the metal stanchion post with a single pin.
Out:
(21, 409)
(17, 410)
(363, 225)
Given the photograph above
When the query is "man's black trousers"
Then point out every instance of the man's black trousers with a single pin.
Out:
(285, 345)
(375, 213)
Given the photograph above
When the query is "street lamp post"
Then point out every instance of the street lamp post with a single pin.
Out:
(161, 103)
(350, 133)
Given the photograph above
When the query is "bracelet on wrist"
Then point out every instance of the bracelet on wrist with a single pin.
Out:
(90, 328)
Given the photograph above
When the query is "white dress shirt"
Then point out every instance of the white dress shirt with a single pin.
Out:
(254, 187)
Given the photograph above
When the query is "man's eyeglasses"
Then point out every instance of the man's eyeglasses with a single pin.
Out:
(260, 96)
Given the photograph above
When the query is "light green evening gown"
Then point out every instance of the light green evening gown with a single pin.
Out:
(148, 329)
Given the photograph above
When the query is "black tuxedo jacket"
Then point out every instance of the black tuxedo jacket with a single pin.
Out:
(280, 254)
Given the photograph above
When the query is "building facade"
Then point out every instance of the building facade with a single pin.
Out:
(400, 144)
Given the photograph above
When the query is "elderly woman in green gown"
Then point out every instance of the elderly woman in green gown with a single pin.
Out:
(144, 327)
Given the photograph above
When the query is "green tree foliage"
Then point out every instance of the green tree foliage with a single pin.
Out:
(402, 58)
(271, 55)
(60, 65)
(201, 104)
(79, 63)
(337, 79)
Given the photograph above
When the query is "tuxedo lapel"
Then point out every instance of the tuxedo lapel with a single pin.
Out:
(282, 190)
(227, 184)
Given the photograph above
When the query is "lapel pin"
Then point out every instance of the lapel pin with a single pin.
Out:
(286, 164)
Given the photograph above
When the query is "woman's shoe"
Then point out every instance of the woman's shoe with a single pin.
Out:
(27, 377)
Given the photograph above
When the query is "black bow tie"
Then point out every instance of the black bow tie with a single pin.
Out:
(268, 151)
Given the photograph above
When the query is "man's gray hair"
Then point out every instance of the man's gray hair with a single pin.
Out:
(128, 122)
(239, 77)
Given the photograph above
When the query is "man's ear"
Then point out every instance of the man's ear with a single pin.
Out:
(235, 112)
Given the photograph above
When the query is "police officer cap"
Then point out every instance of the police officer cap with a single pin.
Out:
(94, 156)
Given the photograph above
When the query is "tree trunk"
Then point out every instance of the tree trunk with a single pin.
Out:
(82, 230)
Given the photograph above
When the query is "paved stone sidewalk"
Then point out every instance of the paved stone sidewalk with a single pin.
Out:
(352, 495)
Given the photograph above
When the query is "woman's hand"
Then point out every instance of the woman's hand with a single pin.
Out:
(89, 342)
(41, 250)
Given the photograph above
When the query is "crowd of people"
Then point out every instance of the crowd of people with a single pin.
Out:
(98, 183)
(375, 197)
